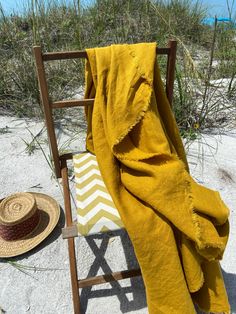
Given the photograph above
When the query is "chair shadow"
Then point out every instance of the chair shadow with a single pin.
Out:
(51, 238)
(230, 284)
(136, 287)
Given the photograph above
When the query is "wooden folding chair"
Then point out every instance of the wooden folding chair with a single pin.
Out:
(60, 161)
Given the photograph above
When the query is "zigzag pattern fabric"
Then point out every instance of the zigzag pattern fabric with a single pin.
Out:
(96, 211)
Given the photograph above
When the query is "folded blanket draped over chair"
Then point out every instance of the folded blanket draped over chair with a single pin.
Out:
(179, 229)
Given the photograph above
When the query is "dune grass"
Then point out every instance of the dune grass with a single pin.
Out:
(204, 53)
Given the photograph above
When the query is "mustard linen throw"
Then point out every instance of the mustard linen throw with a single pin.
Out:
(178, 228)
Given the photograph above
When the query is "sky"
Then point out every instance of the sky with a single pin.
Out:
(216, 7)
(18, 6)
(219, 7)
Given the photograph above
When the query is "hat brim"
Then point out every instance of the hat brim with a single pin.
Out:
(49, 215)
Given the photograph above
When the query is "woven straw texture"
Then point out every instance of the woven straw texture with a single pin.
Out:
(16, 208)
(49, 211)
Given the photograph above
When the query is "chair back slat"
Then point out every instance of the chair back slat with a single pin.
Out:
(63, 55)
(72, 103)
(48, 106)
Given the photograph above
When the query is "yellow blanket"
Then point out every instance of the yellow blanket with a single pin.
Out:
(179, 229)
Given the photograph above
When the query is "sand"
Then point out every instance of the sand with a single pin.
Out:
(212, 162)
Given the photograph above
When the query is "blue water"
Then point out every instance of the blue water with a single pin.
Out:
(215, 7)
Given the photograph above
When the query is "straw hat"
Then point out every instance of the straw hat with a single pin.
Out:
(26, 219)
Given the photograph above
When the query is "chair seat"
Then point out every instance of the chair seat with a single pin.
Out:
(96, 212)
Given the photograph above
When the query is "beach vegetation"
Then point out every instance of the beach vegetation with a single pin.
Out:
(205, 86)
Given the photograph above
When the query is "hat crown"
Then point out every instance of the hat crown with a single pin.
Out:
(17, 208)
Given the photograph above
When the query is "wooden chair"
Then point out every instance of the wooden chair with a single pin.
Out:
(60, 161)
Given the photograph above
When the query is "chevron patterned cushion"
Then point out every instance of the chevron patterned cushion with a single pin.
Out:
(96, 211)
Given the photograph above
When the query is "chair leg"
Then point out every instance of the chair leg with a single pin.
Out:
(74, 276)
(71, 243)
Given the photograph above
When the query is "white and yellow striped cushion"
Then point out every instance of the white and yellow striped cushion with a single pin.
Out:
(96, 211)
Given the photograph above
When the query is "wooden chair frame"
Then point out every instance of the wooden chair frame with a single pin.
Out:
(60, 162)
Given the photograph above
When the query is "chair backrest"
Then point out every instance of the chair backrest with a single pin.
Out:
(48, 106)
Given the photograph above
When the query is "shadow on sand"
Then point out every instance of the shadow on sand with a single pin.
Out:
(230, 283)
(136, 288)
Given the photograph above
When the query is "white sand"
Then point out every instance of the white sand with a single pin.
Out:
(49, 291)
